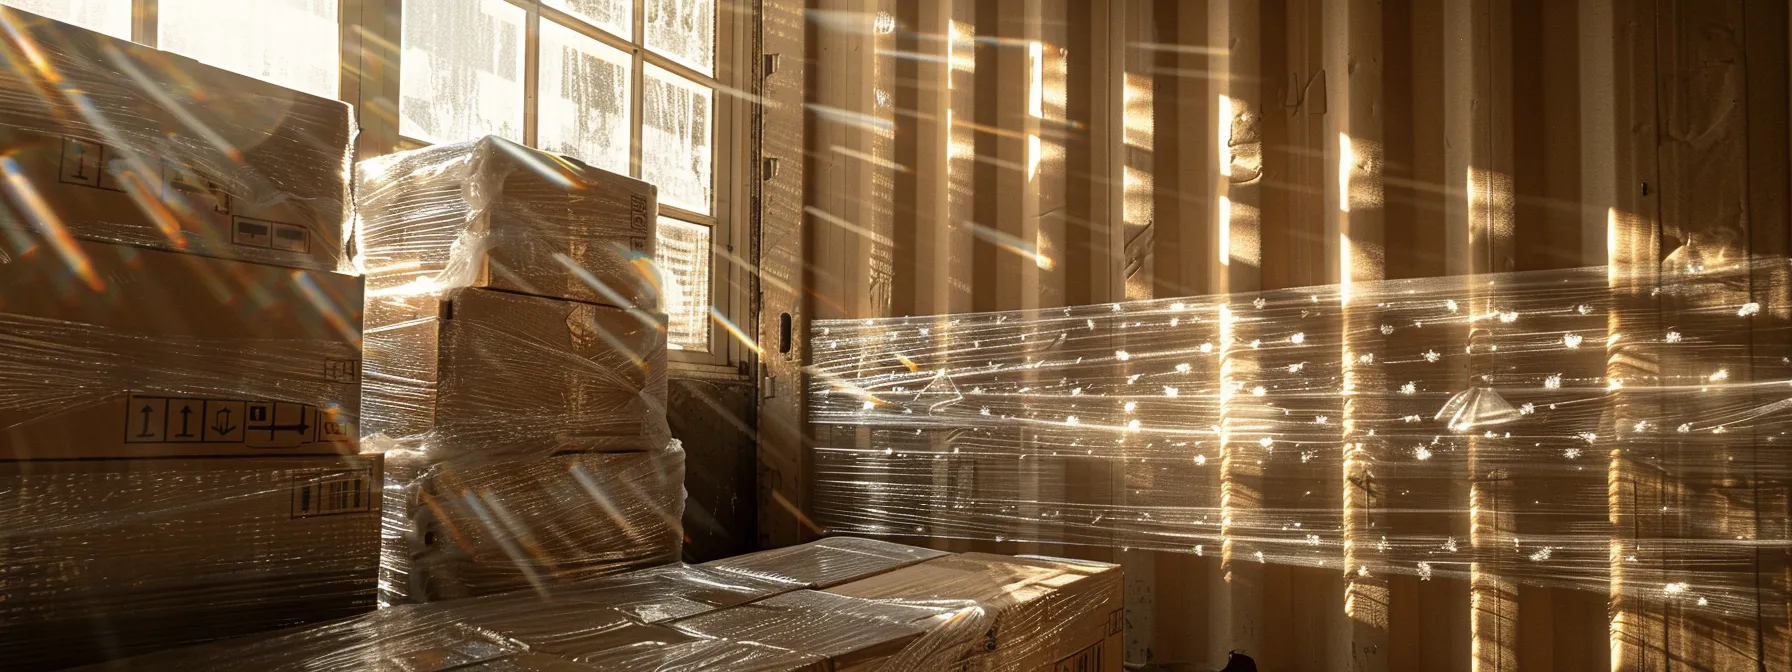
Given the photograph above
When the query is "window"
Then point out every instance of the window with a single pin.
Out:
(625, 85)
(629, 86)
(293, 43)
(112, 17)
(461, 70)
(585, 98)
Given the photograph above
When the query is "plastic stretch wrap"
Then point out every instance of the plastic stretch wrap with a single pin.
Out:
(825, 563)
(491, 374)
(985, 613)
(1558, 428)
(110, 558)
(492, 213)
(463, 528)
(112, 141)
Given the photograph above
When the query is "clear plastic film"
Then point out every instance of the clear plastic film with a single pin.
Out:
(112, 141)
(464, 528)
(492, 374)
(114, 351)
(1573, 428)
(970, 612)
(112, 558)
(493, 213)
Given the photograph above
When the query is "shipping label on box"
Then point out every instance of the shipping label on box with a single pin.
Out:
(143, 353)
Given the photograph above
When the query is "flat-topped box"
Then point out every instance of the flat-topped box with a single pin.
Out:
(113, 141)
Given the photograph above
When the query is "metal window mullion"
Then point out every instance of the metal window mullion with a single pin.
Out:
(675, 212)
(637, 91)
(349, 19)
(681, 69)
(531, 73)
(726, 198)
(574, 23)
(143, 22)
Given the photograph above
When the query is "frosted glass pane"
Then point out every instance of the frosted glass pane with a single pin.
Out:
(683, 259)
(462, 70)
(112, 17)
(293, 43)
(615, 16)
(584, 98)
(684, 31)
(675, 143)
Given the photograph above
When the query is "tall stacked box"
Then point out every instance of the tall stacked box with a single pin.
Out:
(179, 408)
(516, 371)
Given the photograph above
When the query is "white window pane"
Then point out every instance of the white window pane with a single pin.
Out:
(112, 17)
(675, 143)
(462, 70)
(684, 31)
(683, 259)
(615, 16)
(584, 98)
(293, 43)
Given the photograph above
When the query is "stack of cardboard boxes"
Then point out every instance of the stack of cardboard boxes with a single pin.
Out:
(829, 606)
(193, 447)
(516, 371)
(179, 354)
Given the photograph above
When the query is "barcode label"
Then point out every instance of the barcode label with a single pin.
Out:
(332, 493)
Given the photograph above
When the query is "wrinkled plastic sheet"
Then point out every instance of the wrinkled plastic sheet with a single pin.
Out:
(493, 213)
(491, 374)
(1576, 428)
(463, 528)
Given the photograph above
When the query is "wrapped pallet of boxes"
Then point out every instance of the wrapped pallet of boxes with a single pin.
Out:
(516, 374)
(919, 610)
(113, 141)
(180, 398)
(177, 450)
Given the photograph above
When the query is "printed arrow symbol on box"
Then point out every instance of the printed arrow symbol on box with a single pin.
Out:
(147, 409)
(223, 425)
(184, 412)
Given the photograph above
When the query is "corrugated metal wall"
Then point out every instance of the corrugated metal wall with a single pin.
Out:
(936, 156)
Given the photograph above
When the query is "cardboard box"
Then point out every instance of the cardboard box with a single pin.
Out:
(492, 213)
(1043, 613)
(108, 558)
(494, 374)
(825, 563)
(158, 150)
(959, 613)
(117, 351)
(465, 528)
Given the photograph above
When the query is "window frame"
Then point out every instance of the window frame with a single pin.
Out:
(370, 45)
